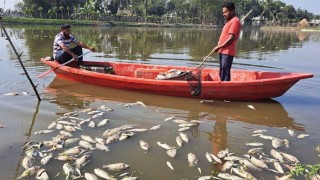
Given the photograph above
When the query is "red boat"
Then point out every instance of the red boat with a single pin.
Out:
(244, 85)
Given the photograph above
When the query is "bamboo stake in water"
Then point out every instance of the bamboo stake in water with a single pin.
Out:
(18, 56)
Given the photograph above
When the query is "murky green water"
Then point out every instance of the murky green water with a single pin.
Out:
(226, 124)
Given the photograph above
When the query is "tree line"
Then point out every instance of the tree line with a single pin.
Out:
(188, 11)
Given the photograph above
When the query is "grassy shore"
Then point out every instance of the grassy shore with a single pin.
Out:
(98, 23)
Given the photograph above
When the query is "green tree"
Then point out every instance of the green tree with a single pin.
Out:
(55, 10)
(61, 8)
(40, 9)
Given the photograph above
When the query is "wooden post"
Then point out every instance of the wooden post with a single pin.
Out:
(18, 56)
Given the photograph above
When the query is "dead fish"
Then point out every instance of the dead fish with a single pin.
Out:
(29, 172)
(186, 125)
(91, 124)
(164, 145)
(248, 164)
(11, 94)
(87, 138)
(116, 166)
(103, 174)
(215, 158)
(251, 107)
(69, 128)
(129, 178)
(300, 136)
(243, 173)
(276, 143)
(196, 121)
(93, 112)
(72, 151)
(46, 159)
(66, 123)
(64, 158)
(255, 151)
(172, 152)
(142, 104)
(205, 177)
(144, 145)
(179, 141)
(227, 165)
(199, 169)
(102, 147)
(259, 131)
(52, 125)
(137, 130)
(223, 153)
(65, 133)
(74, 113)
(82, 161)
(192, 159)
(183, 129)
(257, 162)
(169, 118)
(276, 155)
(155, 127)
(46, 131)
(112, 138)
(42, 174)
(229, 176)
(70, 141)
(180, 121)
(285, 177)
(209, 158)
(278, 167)
(90, 176)
(170, 165)
(99, 140)
(254, 144)
(184, 137)
(232, 158)
(26, 162)
(290, 157)
(292, 132)
(97, 115)
(266, 137)
(86, 145)
(59, 126)
(103, 122)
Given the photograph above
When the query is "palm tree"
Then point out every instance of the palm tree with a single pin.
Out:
(40, 11)
(68, 9)
(55, 10)
(50, 13)
(61, 8)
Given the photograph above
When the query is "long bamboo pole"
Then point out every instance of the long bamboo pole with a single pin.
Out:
(18, 56)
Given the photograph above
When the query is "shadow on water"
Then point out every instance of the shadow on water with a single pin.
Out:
(269, 113)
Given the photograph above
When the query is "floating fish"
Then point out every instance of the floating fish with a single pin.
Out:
(91, 124)
(184, 137)
(292, 132)
(11, 94)
(116, 166)
(170, 165)
(254, 144)
(251, 107)
(26, 162)
(164, 145)
(169, 118)
(227, 165)
(102, 147)
(172, 152)
(103, 122)
(192, 159)
(215, 158)
(87, 138)
(290, 158)
(183, 129)
(103, 174)
(144, 145)
(155, 127)
(29, 172)
(46, 131)
(46, 159)
(179, 141)
(276, 155)
(223, 153)
(301, 136)
(90, 176)
(229, 176)
(86, 145)
(205, 177)
(278, 167)
(42, 174)
(255, 151)
(209, 158)
(243, 173)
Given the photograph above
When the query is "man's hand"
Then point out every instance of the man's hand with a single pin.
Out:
(92, 49)
(216, 49)
(75, 57)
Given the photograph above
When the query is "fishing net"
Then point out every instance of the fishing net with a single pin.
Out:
(194, 81)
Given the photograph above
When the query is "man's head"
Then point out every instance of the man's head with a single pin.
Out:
(65, 29)
(228, 10)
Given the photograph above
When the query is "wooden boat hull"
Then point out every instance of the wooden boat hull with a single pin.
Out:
(244, 86)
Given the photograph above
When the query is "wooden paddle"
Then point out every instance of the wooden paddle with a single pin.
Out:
(53, 69)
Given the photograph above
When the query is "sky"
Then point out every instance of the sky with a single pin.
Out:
(310, 5)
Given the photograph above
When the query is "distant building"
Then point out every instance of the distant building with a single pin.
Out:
(315, 22)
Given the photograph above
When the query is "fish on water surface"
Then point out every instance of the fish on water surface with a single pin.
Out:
(192, 159)
(144, 145)
(116, 166)
(170, 165)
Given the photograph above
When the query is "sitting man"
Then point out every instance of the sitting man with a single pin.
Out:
(61, 44)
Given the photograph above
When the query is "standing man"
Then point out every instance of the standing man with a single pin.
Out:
(227, 41)
(61, 51)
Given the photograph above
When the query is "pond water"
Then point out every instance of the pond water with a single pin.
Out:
(225, 124)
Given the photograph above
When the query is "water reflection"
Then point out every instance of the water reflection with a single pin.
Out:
(122, 43)
(269, 113)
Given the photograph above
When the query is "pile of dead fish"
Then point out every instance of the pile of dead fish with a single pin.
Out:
(171, 74)
(73, 147)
